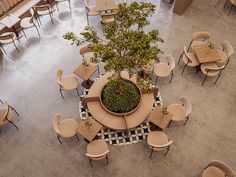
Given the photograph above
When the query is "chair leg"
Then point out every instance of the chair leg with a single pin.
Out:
(231, 8)
(167, 150)
(107, 159)
(23, 32)
(77, 137)
(13, 124)
(15, 46)
(184, 68)
(169, 124)
(37, 30)
(1, 101)
(69, 5)
(225, 3)
(98, 70)
(58, 137)
(217, 78)
(14, 110)
(172, 75)
(227, 62)
(180, 57)
(204, 80)
(3, 49)
(187, 118)
(77, 91)
(61, 93)
(156, 80)
(90, 162)
(51, 18)
(190, 45)
(87, 17)
(57, 7)
(151, 153)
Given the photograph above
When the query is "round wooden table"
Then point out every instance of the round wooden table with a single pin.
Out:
(114, 121)
(68, 127)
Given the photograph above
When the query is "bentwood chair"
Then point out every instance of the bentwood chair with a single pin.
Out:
(226, 53)
(158, 141)
(217, 168)
(189, 59)
(211, 70)
(107, 17)
(11, 107)
(59, 1)
(97, 150)
(181, 112)
(6, 115)
(7, 38)
(68, 83)
(165, 69)
(90, 11)
(65, 128)
(198, 38)
(29, 22)
(233, 3)
(41, 10)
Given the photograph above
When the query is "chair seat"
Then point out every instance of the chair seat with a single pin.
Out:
(7, 41)
(97, 147)
(194, 61)
(213, 172)
(178, 112)
(157, 138)
(68, 128)
(162, 70)
(93, 11)
(223, 56)
(25, 23)
(44, 12)
(204, 67)
(69, 83)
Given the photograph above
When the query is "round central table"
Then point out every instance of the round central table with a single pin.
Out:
(68, 127)
(115, 121)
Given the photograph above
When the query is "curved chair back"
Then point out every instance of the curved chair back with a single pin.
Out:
(7, 36)
(223, 166)
(186, 53)
(58, 76)
(56, 120)
(86, 3)
(45, 7)
(97, 156)
(3, 118)
(163, 145)
(228, 48)
(171, 61)
(201, 35)
(85, 49)
(32, 15)
(186, 104)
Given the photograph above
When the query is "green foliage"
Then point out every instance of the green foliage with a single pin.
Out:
(144, 83)
(120, 95)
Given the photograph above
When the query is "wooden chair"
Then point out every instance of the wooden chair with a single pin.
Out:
(211, 70)
(165, 69)
(233, 4)
(198, 38)
(41, 10)
(218, 168)
(226, 53)
(29, 22)
(97, 150)
(90, 11)
(6, 115)
(68, 83)
(7, 38)
(69, 130)
(59, 1)
(11, 107)
(189, 59)
(158, 141)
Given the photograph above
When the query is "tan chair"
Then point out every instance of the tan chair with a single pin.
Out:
(107, 17)
(218, 168)
(67, 83)
(97, 150)
(211, 70)
(41, 10)
(7, 38)
(158, 141)
(226, 53)
(59, 1)
(189, 59)
(198, 38)
(90, 11)
(29, 22)
(12, 108)
(165, 69)
(66, 128)
(233, 3)
(6, 115)
(181, 111)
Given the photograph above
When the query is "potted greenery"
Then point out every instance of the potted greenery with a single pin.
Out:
(126, 46)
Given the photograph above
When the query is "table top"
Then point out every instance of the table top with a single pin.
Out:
(156, 117)
(85, 72)
(68, 127)
(177, 111)
(114, 121)
(103, 5)
(91, 132)
(205, 54)
(10, 20)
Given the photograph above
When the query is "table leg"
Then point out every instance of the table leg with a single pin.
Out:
(87, 84)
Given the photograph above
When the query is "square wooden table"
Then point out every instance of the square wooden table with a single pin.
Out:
(10, 20)
(205, 54)
(104, 5)
(89, 133)
(85, 72)
(156, 117)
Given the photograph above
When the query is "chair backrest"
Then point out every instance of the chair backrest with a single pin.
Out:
(163, 145)
(42, 8)
(186, 53)
(171, 61)
(215, 69)
(56, 121)
(32, 15)
(223, 166)
(86, 3)
(201, 35)
(228, 48)
(58, 76)
(85, 49)
(7, 36)
(186, 105)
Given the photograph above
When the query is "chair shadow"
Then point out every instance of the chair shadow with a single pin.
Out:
(32, 41)
(64, 15)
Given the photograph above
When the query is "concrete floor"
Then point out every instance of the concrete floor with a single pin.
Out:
(28, 83)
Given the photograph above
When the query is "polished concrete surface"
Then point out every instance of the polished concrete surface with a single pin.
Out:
(27, 81)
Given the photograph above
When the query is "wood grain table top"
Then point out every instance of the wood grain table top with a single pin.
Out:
(86, 72)
(10, 20)
(104, 5)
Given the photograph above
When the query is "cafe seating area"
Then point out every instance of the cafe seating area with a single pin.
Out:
(54, 116)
